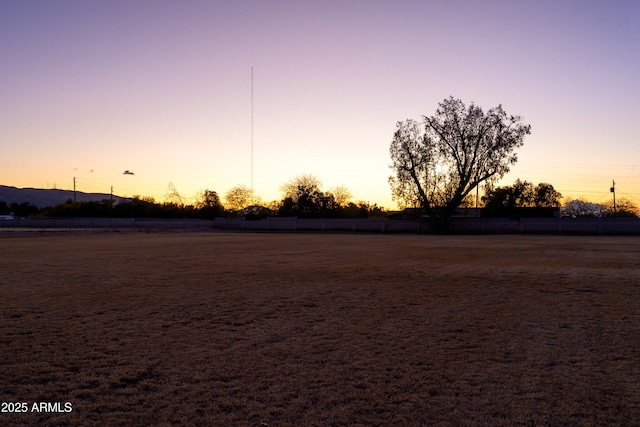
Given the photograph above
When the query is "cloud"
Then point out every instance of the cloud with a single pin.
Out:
(128, 172)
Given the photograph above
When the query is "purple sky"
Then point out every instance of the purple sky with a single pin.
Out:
(163, 89)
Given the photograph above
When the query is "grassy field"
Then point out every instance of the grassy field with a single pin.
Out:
(320, 330)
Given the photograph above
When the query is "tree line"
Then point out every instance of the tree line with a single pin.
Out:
(438, 164)
(302, 197)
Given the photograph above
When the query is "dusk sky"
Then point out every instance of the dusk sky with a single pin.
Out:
(89, 89)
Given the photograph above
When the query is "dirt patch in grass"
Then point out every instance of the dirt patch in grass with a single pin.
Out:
(296, 329)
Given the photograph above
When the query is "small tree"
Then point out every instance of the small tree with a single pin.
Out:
(304, 198)
(623, 208)
(522, 194)
(510, 200)
(23, 209)
(438, 165)
(209, 205)
(239, 197)
(172, 196)
(341, 195)
(545, 196)
(300, 185)
(361, 210)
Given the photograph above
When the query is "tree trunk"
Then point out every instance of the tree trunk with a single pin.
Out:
(440, 220)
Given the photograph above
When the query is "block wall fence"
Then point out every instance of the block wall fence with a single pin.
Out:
(590, 226)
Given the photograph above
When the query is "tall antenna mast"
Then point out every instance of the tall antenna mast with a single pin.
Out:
(251, 128)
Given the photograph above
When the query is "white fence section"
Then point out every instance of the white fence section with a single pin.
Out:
(133, 223)
(546, 225)
(458, 225)
(591, 226)
(305, 224)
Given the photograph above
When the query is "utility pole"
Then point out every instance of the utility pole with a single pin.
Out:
(613, 190)
(74, 189)
(111, 205)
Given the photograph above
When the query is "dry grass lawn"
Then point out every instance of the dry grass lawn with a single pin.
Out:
(218, 329)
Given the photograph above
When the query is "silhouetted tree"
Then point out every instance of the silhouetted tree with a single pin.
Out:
(209, 205)
(70, 208)
(310, 204)
(360, 210)
(305, 199)
(623, 208)
(172, 196)
(522, 194)
(496, 200)
(341, 195)
(436, 165)
(22, 210)
(545, 196)
(239, 197)
(520, 199)
(138, 207)
(518, 195)
(300, 185)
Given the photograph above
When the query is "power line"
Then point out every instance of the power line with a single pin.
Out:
(579, 165)
(629, 195)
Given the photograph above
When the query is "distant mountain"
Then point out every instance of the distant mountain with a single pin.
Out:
(43, 198)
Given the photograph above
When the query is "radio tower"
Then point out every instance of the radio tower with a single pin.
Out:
(251, 128)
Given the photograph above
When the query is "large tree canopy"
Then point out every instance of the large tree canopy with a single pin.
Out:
(440, 161)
